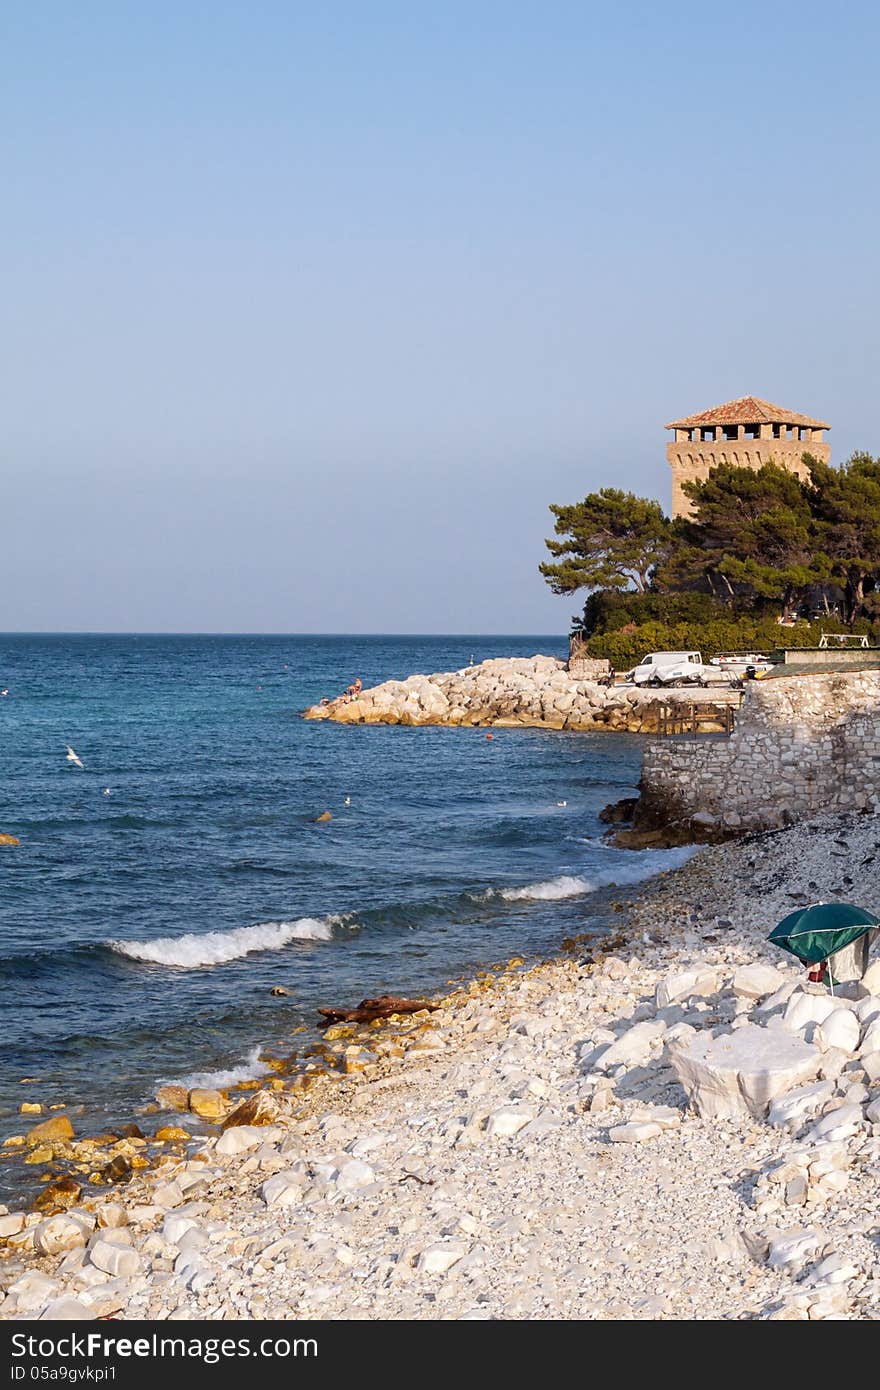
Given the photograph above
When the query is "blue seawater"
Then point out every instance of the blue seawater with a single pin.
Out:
(158, 894)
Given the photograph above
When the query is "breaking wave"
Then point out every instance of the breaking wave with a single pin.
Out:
(566, 886)
(217, 947)
(249, 1070)
(644, 865)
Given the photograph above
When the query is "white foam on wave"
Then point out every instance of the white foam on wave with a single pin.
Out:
(217, 947)
(249, 1070)
(634, 869)
(551, 889)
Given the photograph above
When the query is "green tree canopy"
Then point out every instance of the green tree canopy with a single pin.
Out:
(612, 540)
(751, 536)
(846, 526)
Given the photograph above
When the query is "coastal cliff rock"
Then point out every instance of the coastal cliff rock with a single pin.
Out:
(511, 692)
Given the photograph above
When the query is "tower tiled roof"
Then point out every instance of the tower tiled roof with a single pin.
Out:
(747, 410)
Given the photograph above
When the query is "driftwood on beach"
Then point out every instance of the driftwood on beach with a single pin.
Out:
(369, 1009)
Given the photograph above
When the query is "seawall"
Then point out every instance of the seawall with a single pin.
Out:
(530, 692)
(801, 745)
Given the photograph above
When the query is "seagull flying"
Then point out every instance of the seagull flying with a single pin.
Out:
(73, 757)
(107, 791)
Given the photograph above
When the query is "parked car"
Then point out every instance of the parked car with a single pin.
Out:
(740, 664)
(671, 669)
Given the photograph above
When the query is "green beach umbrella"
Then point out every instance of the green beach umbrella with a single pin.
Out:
(815, 933)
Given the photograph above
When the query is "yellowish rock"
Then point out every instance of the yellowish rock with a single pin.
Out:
(337, 1031)
(173, 1097)
(324, 816)
(9, 840)
(208, 1105)
(30, 1107)
(58, 1130)
(64, 1193)
(172, 1134)
(258, 1109)
(43, 1153)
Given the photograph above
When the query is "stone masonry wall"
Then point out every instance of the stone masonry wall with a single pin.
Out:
(693, 461)
(801, 744)
(587, 668)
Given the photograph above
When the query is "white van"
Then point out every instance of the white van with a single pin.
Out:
(671, 668)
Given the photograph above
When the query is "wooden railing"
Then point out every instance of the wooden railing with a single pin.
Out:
(678, 717)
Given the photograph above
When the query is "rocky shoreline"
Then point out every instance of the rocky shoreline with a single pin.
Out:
(548, 1143)
(535, 692)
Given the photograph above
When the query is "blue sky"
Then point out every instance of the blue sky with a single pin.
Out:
(310, 311)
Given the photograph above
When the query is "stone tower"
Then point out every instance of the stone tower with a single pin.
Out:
(747, 432)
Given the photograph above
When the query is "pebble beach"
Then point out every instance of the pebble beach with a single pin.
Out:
(528, 1149)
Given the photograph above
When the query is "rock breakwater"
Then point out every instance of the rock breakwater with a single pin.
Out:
(520, 692)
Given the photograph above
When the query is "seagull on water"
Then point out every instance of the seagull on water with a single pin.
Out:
(107, 791)
(562, 803)
(73, 757)
(348, 801)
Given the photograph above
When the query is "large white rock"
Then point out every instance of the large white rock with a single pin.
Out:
(633, 1048)
(283, 1190)
(681, 984)
(868, 1008)
(66, 1310)
(870, 1064)
(779, 998)
(871, 978)
(176, 1225)
(666, 1116)
(354, 1175)
(11, 1223)
(840, 1029)
(793, 1247)
(30, 1291)
(871, 1039)
(508, 1120)
(800, 1104)
(114, 1256)
(63, 1232)
(436, 1259)
(634, 1133)
(837, 1125)
(807, 1008)
(740, 1073)
(241, 1138)
(167, 1194)
(112, 1214)
(757, 981)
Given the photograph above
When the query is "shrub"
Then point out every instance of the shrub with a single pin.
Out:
(625, 648)
(609, 610)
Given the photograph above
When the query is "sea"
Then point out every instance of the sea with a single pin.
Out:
(160, 891)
